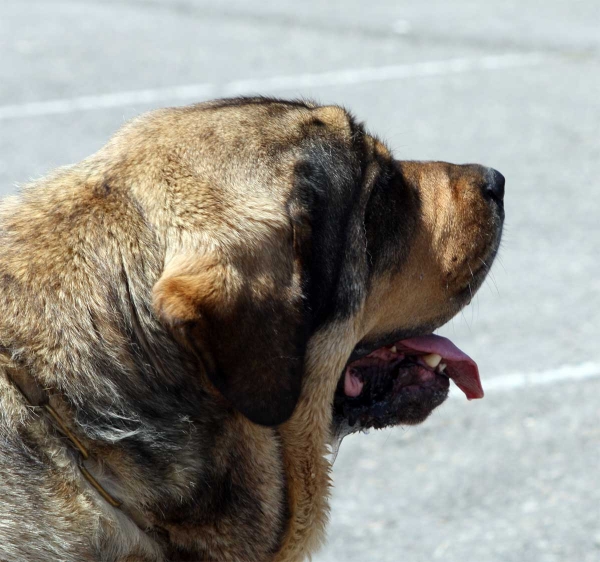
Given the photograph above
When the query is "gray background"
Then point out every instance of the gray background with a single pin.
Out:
(511, 84)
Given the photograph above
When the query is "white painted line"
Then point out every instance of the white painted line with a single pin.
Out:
(104, 101)
(515, 381)
(199, 92)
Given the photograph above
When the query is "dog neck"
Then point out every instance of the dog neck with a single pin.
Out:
(38, 399)
(305, 437)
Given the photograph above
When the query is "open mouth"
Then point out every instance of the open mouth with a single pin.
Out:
(402, 383)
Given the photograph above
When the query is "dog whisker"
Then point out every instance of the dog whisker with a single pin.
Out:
(490, 275)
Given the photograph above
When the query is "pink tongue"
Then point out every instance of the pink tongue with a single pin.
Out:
(459, 366)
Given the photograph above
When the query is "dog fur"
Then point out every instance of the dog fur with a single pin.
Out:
(188, 297)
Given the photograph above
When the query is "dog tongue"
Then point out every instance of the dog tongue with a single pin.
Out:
(459, 366)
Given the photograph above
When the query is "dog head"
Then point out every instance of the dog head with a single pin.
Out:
(300, 255)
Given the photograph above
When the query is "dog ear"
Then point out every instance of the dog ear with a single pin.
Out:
(245, 320)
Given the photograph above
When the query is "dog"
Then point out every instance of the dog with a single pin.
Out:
(190, 316)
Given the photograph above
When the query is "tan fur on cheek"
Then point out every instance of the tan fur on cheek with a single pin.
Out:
(409, 298)
(452, 240)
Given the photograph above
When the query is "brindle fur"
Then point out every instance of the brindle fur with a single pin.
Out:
(212, 267)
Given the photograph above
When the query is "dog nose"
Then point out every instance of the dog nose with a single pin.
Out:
(494, 185)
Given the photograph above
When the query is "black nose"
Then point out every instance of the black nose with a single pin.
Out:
(494, 185)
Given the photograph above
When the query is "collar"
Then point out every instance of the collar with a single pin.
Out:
(38, 398)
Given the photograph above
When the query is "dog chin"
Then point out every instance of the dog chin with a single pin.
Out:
(404, 395)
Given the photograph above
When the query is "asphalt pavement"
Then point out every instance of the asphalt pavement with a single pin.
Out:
(512, 84)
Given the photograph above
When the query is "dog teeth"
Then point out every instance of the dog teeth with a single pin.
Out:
(433, 360)
(394, 349)
(441, 367)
